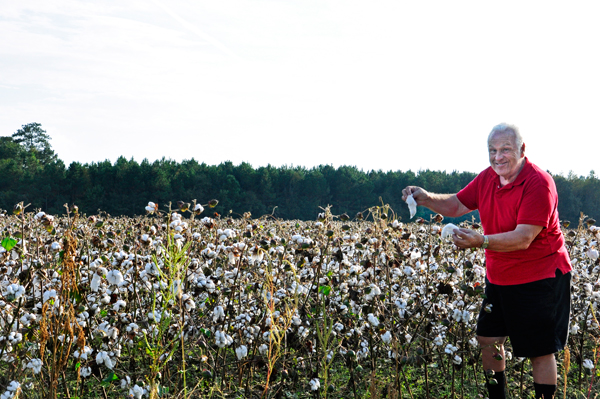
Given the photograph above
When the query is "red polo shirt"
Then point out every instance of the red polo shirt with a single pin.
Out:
(530, 199)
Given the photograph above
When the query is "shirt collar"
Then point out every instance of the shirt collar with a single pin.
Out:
(521, 177)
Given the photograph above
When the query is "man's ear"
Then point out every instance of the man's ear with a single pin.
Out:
(523, 150)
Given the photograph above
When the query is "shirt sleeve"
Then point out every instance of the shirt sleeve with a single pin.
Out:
(537, 205)
(469, 196)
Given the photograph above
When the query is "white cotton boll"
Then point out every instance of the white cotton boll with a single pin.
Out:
(412, 205)
(15, 290)
(85, 372)
(13, 386)
(574, 328)
(457, 360)
(479, 271)
(119, 304)
(125, 382)
(137, 392)
(387, 337)
(450, 349)
(466, 316)
(588, 364)
(439, 341)
(35, 365)
(49, 294)
(101, 356)
(114, 277)
(15, 337)
(415, 254)
(223, 339)
(218, 313)
(314, 384)
(241, 352)
(83, 355)
(592, 253)
(373, 320)
(154, 316)
(448, 230)
(375, 291)
(263, 349)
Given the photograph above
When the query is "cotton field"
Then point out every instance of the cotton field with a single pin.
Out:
(183, 303)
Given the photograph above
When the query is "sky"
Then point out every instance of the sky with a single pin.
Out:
(380, 85)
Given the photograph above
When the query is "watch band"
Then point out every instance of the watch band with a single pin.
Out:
(486, 242)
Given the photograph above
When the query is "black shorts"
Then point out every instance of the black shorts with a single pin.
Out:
(535, 316)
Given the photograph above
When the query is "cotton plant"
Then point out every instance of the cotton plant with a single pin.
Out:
(379, 283)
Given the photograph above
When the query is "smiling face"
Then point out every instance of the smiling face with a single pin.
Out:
(506, 158)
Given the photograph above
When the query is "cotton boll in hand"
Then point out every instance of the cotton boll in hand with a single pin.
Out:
(448, 230)
(412, 205)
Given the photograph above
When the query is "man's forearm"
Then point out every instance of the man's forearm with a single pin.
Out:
(516, 240)
(445, 204)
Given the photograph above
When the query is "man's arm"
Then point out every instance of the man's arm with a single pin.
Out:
(518, 239)
(446, 204)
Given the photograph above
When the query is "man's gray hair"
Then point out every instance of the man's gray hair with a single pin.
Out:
(504, 127)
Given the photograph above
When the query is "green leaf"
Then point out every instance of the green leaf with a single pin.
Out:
(103, 313)
(76, 296)
(325, 289)
(109, 379)
(206, 332)
(9, 243)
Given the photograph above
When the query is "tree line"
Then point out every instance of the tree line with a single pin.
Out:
(31, 172)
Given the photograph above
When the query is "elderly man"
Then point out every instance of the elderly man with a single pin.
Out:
(527, 265)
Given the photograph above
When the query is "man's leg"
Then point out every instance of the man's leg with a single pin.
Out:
(491, 347)
(544, 376)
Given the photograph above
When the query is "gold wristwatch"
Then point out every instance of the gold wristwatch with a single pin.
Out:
(486, 242)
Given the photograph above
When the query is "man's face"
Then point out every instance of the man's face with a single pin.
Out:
(505, 158)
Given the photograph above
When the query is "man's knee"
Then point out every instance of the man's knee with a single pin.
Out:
(546, 360)
(489, 341)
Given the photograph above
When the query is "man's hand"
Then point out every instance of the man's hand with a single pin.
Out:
(465, 238)
(419, 194)
(518, 239)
